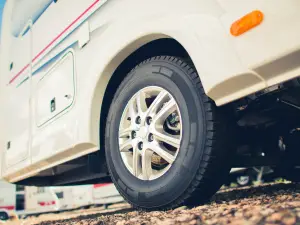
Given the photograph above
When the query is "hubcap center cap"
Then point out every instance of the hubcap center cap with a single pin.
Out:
(142, 133)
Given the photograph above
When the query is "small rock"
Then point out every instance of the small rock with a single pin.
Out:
(200, 208)
(156, 213)
(281, 198)
(155, 220)
(274, 217)
(226, 212)
(167, 222)
(255, 219)
(185, 217)
(179, 209)
(123, 222)
(134, 213)
(238, 222)
(267, 212)
(193, 222)
(238, 214)
(233, 206)
(289, 220)
(294, 204)
(134, 219)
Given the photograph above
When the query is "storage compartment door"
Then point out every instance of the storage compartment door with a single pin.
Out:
(55, 91)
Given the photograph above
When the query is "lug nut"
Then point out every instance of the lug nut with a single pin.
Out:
(133, 134)
(138, 120)
(149, 120)
(150, 137)
(140, 145)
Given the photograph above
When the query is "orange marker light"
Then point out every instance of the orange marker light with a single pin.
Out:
(246, 23)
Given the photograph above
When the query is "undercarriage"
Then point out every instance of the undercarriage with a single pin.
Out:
(267, 128)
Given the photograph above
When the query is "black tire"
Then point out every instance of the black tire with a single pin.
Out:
(203, 162)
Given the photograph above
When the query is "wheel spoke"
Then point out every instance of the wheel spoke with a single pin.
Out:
(125, 133)
(136, 167)
(173, 140)
(157, 103)
(141, 102)
(162, 115)
(146, 164)
(124, 147)
(131, 110)
(163, 152)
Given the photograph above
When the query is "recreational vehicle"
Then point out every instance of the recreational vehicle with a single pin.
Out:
(161, 97)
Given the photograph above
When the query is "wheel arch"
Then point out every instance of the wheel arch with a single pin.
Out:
(121, 64)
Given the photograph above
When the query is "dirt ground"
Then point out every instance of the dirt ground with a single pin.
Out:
(267, 204)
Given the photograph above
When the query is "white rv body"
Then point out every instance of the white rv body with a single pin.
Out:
(60, 58)
(34, 138)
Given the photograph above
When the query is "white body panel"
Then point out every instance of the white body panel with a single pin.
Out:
(7, 196)
(70, 197)
(106, 194)
(95, 37)
(82, 196)
(41, 199)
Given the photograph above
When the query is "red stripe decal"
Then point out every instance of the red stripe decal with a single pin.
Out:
(18, 74)
(54, 40)
(10, 207)
(101, 185)
(47, 203)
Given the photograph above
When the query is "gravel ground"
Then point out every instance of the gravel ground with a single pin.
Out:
(267, 204)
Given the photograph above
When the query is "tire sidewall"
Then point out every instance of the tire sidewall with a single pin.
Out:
(177, 179)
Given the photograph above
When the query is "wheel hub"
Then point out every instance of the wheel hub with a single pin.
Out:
(143, 132)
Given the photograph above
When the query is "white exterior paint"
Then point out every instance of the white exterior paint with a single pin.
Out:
(57, 198)
(106, 194)
(41, 199)
(229, 67)
(46, 199)
(7, 195)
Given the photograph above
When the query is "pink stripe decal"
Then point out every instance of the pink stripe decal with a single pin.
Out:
(54, 40)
